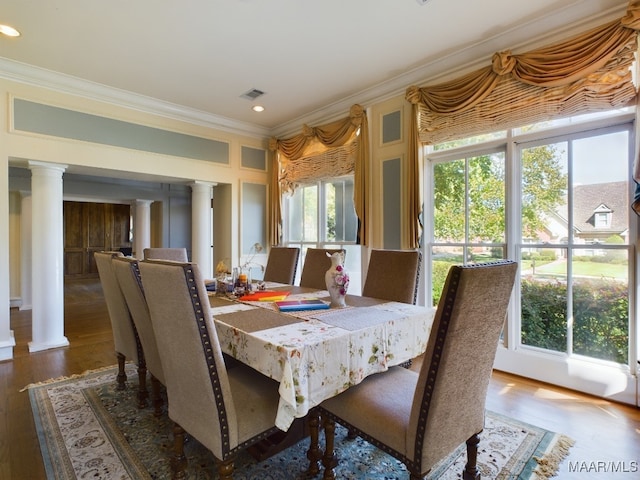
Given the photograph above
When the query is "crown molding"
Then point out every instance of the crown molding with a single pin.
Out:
(67, 84)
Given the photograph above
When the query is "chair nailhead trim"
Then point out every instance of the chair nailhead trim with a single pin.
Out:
(211, 364)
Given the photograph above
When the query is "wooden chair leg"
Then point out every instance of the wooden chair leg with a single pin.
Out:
(314, 454)
(121, 379)
(471, 471)
(179, 460)
(329, 460)
(143, 393)
(157, 396)
(225, 469)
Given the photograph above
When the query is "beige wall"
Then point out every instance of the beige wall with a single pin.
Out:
(102, 160)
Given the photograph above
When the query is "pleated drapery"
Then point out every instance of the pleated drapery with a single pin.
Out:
(337, 148)
(590, 72)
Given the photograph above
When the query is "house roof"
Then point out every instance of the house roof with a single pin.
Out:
(588, 199)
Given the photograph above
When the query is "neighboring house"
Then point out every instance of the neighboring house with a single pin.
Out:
(600, 210)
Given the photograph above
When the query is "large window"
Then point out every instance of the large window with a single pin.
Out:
(322, 215)
(575, 254)
(468, 213)
(556, 198)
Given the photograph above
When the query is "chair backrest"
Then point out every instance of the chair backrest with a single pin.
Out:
(125, 336)
(449, 402)
(173, 254)
(128, 275)
(316, 264)
(393, 275)
(198, 390)
(282, 265)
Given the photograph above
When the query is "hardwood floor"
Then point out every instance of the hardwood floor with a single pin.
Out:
(607, 434)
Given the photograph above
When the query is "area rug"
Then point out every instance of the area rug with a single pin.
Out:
(88, 429)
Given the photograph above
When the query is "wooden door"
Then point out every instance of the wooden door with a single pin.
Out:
(89, 228)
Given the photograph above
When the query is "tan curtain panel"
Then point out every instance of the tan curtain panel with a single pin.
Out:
(587, 73)
(337, 148)
(275, 201)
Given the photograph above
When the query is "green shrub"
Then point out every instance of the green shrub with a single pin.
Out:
(600, 312)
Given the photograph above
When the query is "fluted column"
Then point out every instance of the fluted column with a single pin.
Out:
(141, 227)
(201, 227)
(47, 317)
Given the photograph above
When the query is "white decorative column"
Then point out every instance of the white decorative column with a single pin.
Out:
(7, 339)
(201, 227)
(26, 223)
(47, 317)
(141, 227)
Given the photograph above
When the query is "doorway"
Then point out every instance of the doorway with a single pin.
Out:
(89, 228)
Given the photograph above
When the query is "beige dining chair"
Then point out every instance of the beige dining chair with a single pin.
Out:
(174, 254)
(282, 265)
(316, 264)
(420, 418)
(393, 275)
(127, 273)
(226, 410)
(125, 336)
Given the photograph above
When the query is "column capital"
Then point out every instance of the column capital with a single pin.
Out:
(141, 202)
(35, 165)
(199, 185)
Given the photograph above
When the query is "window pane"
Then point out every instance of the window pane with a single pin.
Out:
(486, 137)
(449, 201)
(544, 194)
(341, 221)
(600, 196)
(601, 304)
(543, 285)
(442, 259)
(486, 198)
(303, 215)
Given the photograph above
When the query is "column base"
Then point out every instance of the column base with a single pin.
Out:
(6, 347)
(38, 347)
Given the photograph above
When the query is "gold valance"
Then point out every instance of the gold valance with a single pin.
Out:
(337, 148)
(589, 72)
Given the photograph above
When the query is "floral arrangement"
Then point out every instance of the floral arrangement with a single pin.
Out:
(341, 280)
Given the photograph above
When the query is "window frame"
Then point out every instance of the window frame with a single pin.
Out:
(552, 367)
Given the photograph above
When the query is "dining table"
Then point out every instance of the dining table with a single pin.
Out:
(317, 354)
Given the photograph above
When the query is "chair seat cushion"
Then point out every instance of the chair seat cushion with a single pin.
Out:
(380, 406)
(255, 398)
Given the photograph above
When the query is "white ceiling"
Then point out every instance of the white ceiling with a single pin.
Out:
(312, 58)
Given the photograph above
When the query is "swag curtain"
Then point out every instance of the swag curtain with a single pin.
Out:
(337, 148)
(587, 73)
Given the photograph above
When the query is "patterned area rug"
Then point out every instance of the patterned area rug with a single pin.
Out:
(88, 429)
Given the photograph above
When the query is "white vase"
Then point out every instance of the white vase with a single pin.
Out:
(337, 280)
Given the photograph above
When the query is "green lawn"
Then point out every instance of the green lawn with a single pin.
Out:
(586, 269)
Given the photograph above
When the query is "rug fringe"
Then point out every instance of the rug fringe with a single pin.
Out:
(548, 464)
(65, 377)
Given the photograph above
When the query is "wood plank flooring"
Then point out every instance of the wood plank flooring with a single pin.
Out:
(607, 434)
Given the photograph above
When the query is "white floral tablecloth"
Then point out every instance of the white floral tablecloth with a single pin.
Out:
(320, 353)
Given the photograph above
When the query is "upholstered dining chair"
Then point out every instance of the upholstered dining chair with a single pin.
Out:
(127, 273)
(282, 264)
(421, 417)
(174, 254)
(226, 410)
(393, 275)
(316, 264)
(125, 336)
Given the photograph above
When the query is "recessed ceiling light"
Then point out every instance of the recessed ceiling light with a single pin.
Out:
(257, 108)
(9, 31)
